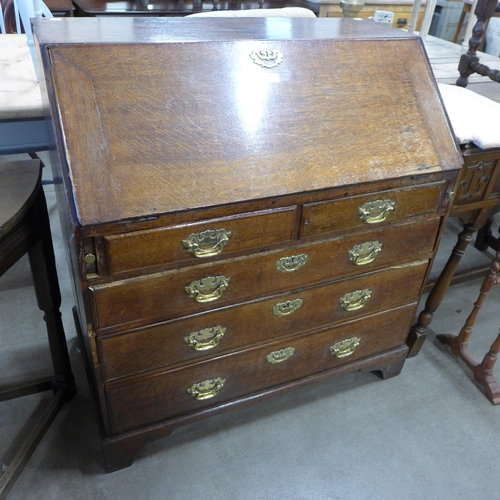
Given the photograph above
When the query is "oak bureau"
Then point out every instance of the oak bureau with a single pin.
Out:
(250, 205)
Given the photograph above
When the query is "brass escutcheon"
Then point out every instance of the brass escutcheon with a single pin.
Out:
(345, 347)
(292, 263)
(280, 355)
(353, 301)
(364, 253)
(205, 339)
(206, 389)
(266, 58)
(373, 212)
(288, 307)
(207, 289)
(207, 243)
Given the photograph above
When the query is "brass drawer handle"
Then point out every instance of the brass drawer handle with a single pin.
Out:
(364, 253)
(345, 347)
(207, 289)
(207, 243)
(292, 263)
(373, 212)
(281, 355)
(205, 339)
(206, 389)
(353, 301)
(288, 307)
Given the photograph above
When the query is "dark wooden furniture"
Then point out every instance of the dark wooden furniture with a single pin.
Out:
(24, 229)
(60, 8)
(469, 62)
(170, 8)
(260, 218)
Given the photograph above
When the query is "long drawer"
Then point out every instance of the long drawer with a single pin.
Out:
(163, 296)
(165, 395)
(229, 329)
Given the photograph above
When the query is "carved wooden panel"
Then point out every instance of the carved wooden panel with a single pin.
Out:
(474, 182)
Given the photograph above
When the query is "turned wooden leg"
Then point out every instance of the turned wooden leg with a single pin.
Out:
(418, 334)
(43, 268)
(483, 372)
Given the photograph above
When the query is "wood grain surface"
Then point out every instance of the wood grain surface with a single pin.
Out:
(329, 115)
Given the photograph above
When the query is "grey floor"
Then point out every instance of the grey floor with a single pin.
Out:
(428, 433)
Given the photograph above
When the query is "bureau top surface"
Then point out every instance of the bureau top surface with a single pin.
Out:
(196, 29)
(165, 114)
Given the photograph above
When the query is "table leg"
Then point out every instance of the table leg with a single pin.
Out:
(417, 334)
(483, 372)
(43, 267)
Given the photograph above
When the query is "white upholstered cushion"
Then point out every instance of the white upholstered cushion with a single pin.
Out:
(474, 118)
(285, 12)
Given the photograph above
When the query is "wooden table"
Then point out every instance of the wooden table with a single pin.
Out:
(22, 127)
(25, 230)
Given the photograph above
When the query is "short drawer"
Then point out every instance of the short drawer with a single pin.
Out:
(369, 210)
(163, 296)
(165, 395)
(229, 329)
(192, 243)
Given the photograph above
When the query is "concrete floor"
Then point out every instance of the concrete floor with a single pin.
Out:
(428, 433)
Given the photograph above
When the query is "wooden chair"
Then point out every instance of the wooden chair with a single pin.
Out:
(25, 229)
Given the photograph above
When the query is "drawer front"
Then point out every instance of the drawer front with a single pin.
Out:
(229, 329)
(164, 296)
(192, 243)
(369, 210)
(166, 395)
